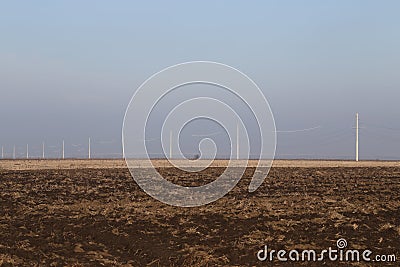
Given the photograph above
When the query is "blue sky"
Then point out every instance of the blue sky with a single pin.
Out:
(69, 68)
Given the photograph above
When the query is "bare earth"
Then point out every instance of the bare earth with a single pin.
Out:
(116, 163)
(92, 213)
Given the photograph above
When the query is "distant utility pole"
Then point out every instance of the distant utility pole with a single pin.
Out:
(356, 136)
(14, 152)
(43, 150)
(237, 141)
(27, 151)
(89, 149)
(2, 152)
(63, 150)
(170, 144)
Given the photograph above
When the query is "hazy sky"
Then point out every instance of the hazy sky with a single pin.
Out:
(69, 68)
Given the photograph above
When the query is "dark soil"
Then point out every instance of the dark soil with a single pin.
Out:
(100, 217)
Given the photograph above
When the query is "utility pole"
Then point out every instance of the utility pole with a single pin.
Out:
(63, 150)
(27, 151)
(43, 150)
(14, 152)
(237, 141)
(170, 144)
(89, 150)
(2, 152)
(357, 136)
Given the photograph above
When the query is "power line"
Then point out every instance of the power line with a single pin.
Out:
(299, 130)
